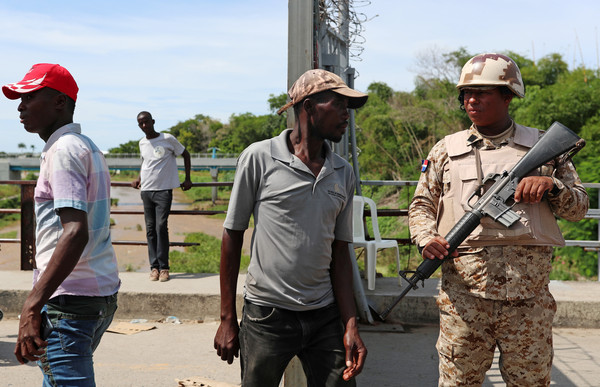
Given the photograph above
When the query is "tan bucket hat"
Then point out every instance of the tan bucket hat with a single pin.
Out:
(318, 80)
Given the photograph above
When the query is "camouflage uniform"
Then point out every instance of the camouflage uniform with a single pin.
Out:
(494, 295)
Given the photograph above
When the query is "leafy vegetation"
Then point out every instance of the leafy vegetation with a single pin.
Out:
(131, 147)
(9, 235)
(11, 198)
(203, 258)
(396, 129)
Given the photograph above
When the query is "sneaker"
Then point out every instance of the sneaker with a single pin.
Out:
(164, 276)
(154, 275)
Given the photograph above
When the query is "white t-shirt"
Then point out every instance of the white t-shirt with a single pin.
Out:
(159, 164)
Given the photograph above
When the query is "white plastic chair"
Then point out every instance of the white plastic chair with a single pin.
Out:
(370, 246)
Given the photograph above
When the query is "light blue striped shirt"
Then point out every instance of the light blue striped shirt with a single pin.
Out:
(73, 174)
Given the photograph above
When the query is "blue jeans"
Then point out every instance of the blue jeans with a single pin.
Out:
(271, 337)
(157, 205)
(79, 323)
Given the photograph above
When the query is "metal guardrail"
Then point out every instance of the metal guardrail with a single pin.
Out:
(27, 240)
(593, 213)
(28, 217)
(205, 155)
(192, 155)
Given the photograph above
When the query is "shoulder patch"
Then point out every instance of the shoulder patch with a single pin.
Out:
(424, 165)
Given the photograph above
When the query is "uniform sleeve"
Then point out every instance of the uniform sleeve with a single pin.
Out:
(244, 191)
(571, 202)
(422, 212)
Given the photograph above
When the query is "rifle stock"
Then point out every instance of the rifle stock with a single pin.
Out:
(558, 140)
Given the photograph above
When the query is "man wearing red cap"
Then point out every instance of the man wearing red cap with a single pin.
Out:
(298, 293)
(76, 280)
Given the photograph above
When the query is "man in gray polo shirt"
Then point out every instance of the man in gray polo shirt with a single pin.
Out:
(298, 292)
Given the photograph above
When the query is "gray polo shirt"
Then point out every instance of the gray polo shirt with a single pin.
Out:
(297, 216)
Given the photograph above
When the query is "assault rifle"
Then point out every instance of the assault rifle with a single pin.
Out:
(498, 200)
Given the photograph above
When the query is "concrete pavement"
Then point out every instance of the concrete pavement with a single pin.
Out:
(158, 357)
(196, 297)
(179, 351)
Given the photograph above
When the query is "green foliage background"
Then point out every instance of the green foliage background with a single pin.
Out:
(203, 258)
(396, 129)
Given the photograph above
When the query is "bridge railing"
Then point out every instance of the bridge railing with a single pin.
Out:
(27, 239)
(202, 155)
(192, 155)
(587, 245)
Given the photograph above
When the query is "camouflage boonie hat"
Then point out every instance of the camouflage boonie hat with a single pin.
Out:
(318, 80)
(492, 70)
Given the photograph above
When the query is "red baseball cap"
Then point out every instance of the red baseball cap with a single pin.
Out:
(43, 75)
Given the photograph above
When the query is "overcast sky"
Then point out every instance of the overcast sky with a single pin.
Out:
(179, 58)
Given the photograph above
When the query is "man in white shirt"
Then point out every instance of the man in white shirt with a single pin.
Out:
(158, 177)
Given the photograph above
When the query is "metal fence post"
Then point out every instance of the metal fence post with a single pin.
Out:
(27, 227)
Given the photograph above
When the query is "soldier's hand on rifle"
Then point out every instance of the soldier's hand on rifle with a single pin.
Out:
(437, 248)
(531, 189)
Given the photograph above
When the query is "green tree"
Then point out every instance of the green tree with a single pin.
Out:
(397, 129)
(196, 133)
(128, 147)
(277, 101)
(244, 129)
(572, 100)
(550, 68)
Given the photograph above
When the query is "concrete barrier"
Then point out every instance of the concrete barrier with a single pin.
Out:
(196, 297)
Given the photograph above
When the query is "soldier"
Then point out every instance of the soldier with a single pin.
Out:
(494, 292)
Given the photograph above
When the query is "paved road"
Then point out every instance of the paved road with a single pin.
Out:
(159, 356)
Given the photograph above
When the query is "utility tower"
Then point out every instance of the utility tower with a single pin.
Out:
(319, 37)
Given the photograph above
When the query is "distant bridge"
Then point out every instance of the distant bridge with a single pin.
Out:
(12, 166)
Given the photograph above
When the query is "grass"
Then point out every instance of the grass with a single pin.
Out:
(386, 260)
(568, 264)
(204, 258)
(11, 195)
(9, 235)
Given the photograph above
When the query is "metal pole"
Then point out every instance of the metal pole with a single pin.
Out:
(302, 19)
(27, 227)
(301, 42)
(352, 129)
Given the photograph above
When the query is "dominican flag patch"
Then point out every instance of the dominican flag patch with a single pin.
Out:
(424, 165)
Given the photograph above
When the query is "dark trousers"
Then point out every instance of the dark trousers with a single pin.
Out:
(271, 337)
(157, 205)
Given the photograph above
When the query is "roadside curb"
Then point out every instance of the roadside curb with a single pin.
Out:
(196, 297)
